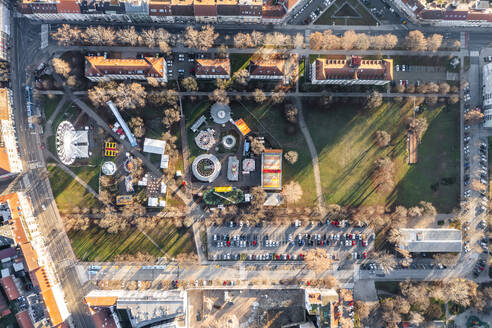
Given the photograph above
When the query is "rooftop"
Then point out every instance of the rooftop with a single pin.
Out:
(213, 67)
(271, 67)
(10, 289)
(354, 68)
(431, 240)
(148, 66)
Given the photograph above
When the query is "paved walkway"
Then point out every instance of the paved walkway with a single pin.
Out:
(73, 175)
(297, 93)
(314, 157)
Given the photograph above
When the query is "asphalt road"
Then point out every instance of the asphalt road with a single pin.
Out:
(26, 55)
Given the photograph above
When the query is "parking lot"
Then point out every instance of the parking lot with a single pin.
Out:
(286, 243)
(181, 65)
(417, 74)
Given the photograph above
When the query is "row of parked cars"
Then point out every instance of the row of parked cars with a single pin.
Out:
(258, 257)
(479, 267)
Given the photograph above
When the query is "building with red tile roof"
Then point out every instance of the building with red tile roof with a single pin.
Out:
(4, 306)
(213, 68)
(351, 70)
(98, 68)
(103, 318)
(10, 288)
(8, 253)
(10, 162)
(24, 320)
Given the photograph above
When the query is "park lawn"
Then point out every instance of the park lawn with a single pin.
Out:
(239, 61)
(266, 120)
(343, 135)
(96, 244)
(69, 193)
(327, 18)
(68, 112)
(90, 174)
(50, 103)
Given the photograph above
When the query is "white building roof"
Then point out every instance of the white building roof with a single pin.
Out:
(164, 161)
(487, 95)
(431, 240)
(153, 201)
(154, 146)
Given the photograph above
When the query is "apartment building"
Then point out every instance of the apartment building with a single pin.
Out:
(213, 69)
(99, 68)
(4, 30)
(273, 69)
(142, 308)
(37, 261)
(200, 11)
(10, 161)
(351, 70)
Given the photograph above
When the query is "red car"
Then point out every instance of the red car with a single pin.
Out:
(364, 243)
(278, 257)
(353, 242)
(228, 243)
(350, 236)
(288, 257)
(322, 243)
(254, 242)
(364, 255)
(225, 283)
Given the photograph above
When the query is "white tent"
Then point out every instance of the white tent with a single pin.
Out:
(154, 146)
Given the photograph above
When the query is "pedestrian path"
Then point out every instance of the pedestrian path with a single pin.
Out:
(314, 156)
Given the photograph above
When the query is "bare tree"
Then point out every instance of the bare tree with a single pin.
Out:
(203, 39)
(129, 96)
(189, 83)
(257, 146)
(241, 77)
(292, 192)
(106, 181)
(362, 42)
(348, 40)
(383, 174)
(259, 96)
(416, 318)
(222, 51)
(316, 41)
(127, 36)
(395, 236)
(243, 40)
(298, 40)
(99, 35)
(382, 138)
(418, 126)
(220, 96)
(258, 197)
(444, 88)
(434, 42)
(278, 97)
(171, 116)
(386, 261)
(474, 116)
(257, 38)
(291, 156)
(138, 126)
(415, 40)
(374, 100)
(61, 67)
(67, 35)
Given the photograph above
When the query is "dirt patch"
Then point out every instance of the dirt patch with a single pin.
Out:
(245, 308)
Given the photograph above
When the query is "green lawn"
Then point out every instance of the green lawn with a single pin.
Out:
(68, 192)
(95, 244)
(239, 61)
(268, 121)
(50, 103)
(90, 174)
(69, 113)
(332, 16)
(343, 135)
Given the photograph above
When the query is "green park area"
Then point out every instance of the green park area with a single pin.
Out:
(344, 137)
(95, 244)
(68, 192)
(346, 12)
(265, 120)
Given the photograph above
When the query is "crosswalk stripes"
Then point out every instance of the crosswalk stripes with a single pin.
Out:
(463, 40)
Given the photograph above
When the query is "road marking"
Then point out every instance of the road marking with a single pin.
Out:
(474, 53)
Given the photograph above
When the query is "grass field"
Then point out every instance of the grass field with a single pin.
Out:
(339, 8)
(343, 135)
(50, 102)
(68, 192)
(95, 244)
(268, 121)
